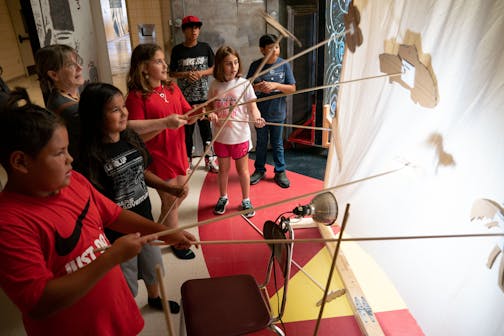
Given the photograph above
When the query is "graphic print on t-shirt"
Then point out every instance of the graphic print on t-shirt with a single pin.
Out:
(193, 91)
(64, 246)
(222, 105)
(127, 172)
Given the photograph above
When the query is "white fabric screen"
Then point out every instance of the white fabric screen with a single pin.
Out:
(445, 282)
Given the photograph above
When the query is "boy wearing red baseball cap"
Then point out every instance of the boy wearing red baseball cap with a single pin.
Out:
(191, 20)
(191, 63)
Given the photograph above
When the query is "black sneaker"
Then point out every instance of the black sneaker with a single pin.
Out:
(282, 180)
(183, 254)
(246, 205)
(256, 176)
(155, 303)
(220, 207)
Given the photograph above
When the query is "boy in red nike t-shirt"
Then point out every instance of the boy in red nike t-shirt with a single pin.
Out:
(52, 222)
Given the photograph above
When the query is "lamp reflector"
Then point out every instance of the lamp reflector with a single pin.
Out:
(324, 208)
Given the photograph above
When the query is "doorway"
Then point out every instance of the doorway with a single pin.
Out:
(115, 21)
(303, 21)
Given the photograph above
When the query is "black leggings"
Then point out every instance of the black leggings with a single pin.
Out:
(205, 132)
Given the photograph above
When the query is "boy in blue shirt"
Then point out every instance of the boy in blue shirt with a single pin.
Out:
(276, 81)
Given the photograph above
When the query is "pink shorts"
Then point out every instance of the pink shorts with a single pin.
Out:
(234, 151)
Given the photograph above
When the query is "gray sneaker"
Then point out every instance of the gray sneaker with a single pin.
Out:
(246, 205)
(282, 180)
(256, 177)
(220, 207)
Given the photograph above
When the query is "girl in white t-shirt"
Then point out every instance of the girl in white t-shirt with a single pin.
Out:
(234, 140)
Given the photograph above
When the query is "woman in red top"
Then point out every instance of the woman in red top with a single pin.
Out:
(152, 96)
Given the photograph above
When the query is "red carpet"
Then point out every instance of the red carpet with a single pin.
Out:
(252, 258)
(229, 259)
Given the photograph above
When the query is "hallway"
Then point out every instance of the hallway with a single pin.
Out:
(119, 51)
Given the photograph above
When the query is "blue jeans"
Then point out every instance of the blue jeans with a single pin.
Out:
(274, 133)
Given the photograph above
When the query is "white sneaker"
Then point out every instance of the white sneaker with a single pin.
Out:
(190, 168)
(211, 164)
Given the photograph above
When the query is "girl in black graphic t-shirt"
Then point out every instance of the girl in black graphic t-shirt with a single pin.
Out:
(114, 159)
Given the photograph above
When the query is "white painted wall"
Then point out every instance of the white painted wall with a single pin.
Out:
(81, 35)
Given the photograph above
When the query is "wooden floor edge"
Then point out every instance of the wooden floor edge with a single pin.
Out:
(363, 312)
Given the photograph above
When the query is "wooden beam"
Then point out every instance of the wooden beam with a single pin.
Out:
(326, 123)
(363, 312)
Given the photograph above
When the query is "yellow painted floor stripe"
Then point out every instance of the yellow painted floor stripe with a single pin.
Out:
(304, 294)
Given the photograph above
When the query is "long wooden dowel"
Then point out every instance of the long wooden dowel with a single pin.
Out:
(316, 46)
(164, 301)
(315, 88)
(331, 271)
(287, 200)
(156, 235)
(333, 240)
(285, 125)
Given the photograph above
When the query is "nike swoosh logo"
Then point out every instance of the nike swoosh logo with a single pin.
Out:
(66, 245)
